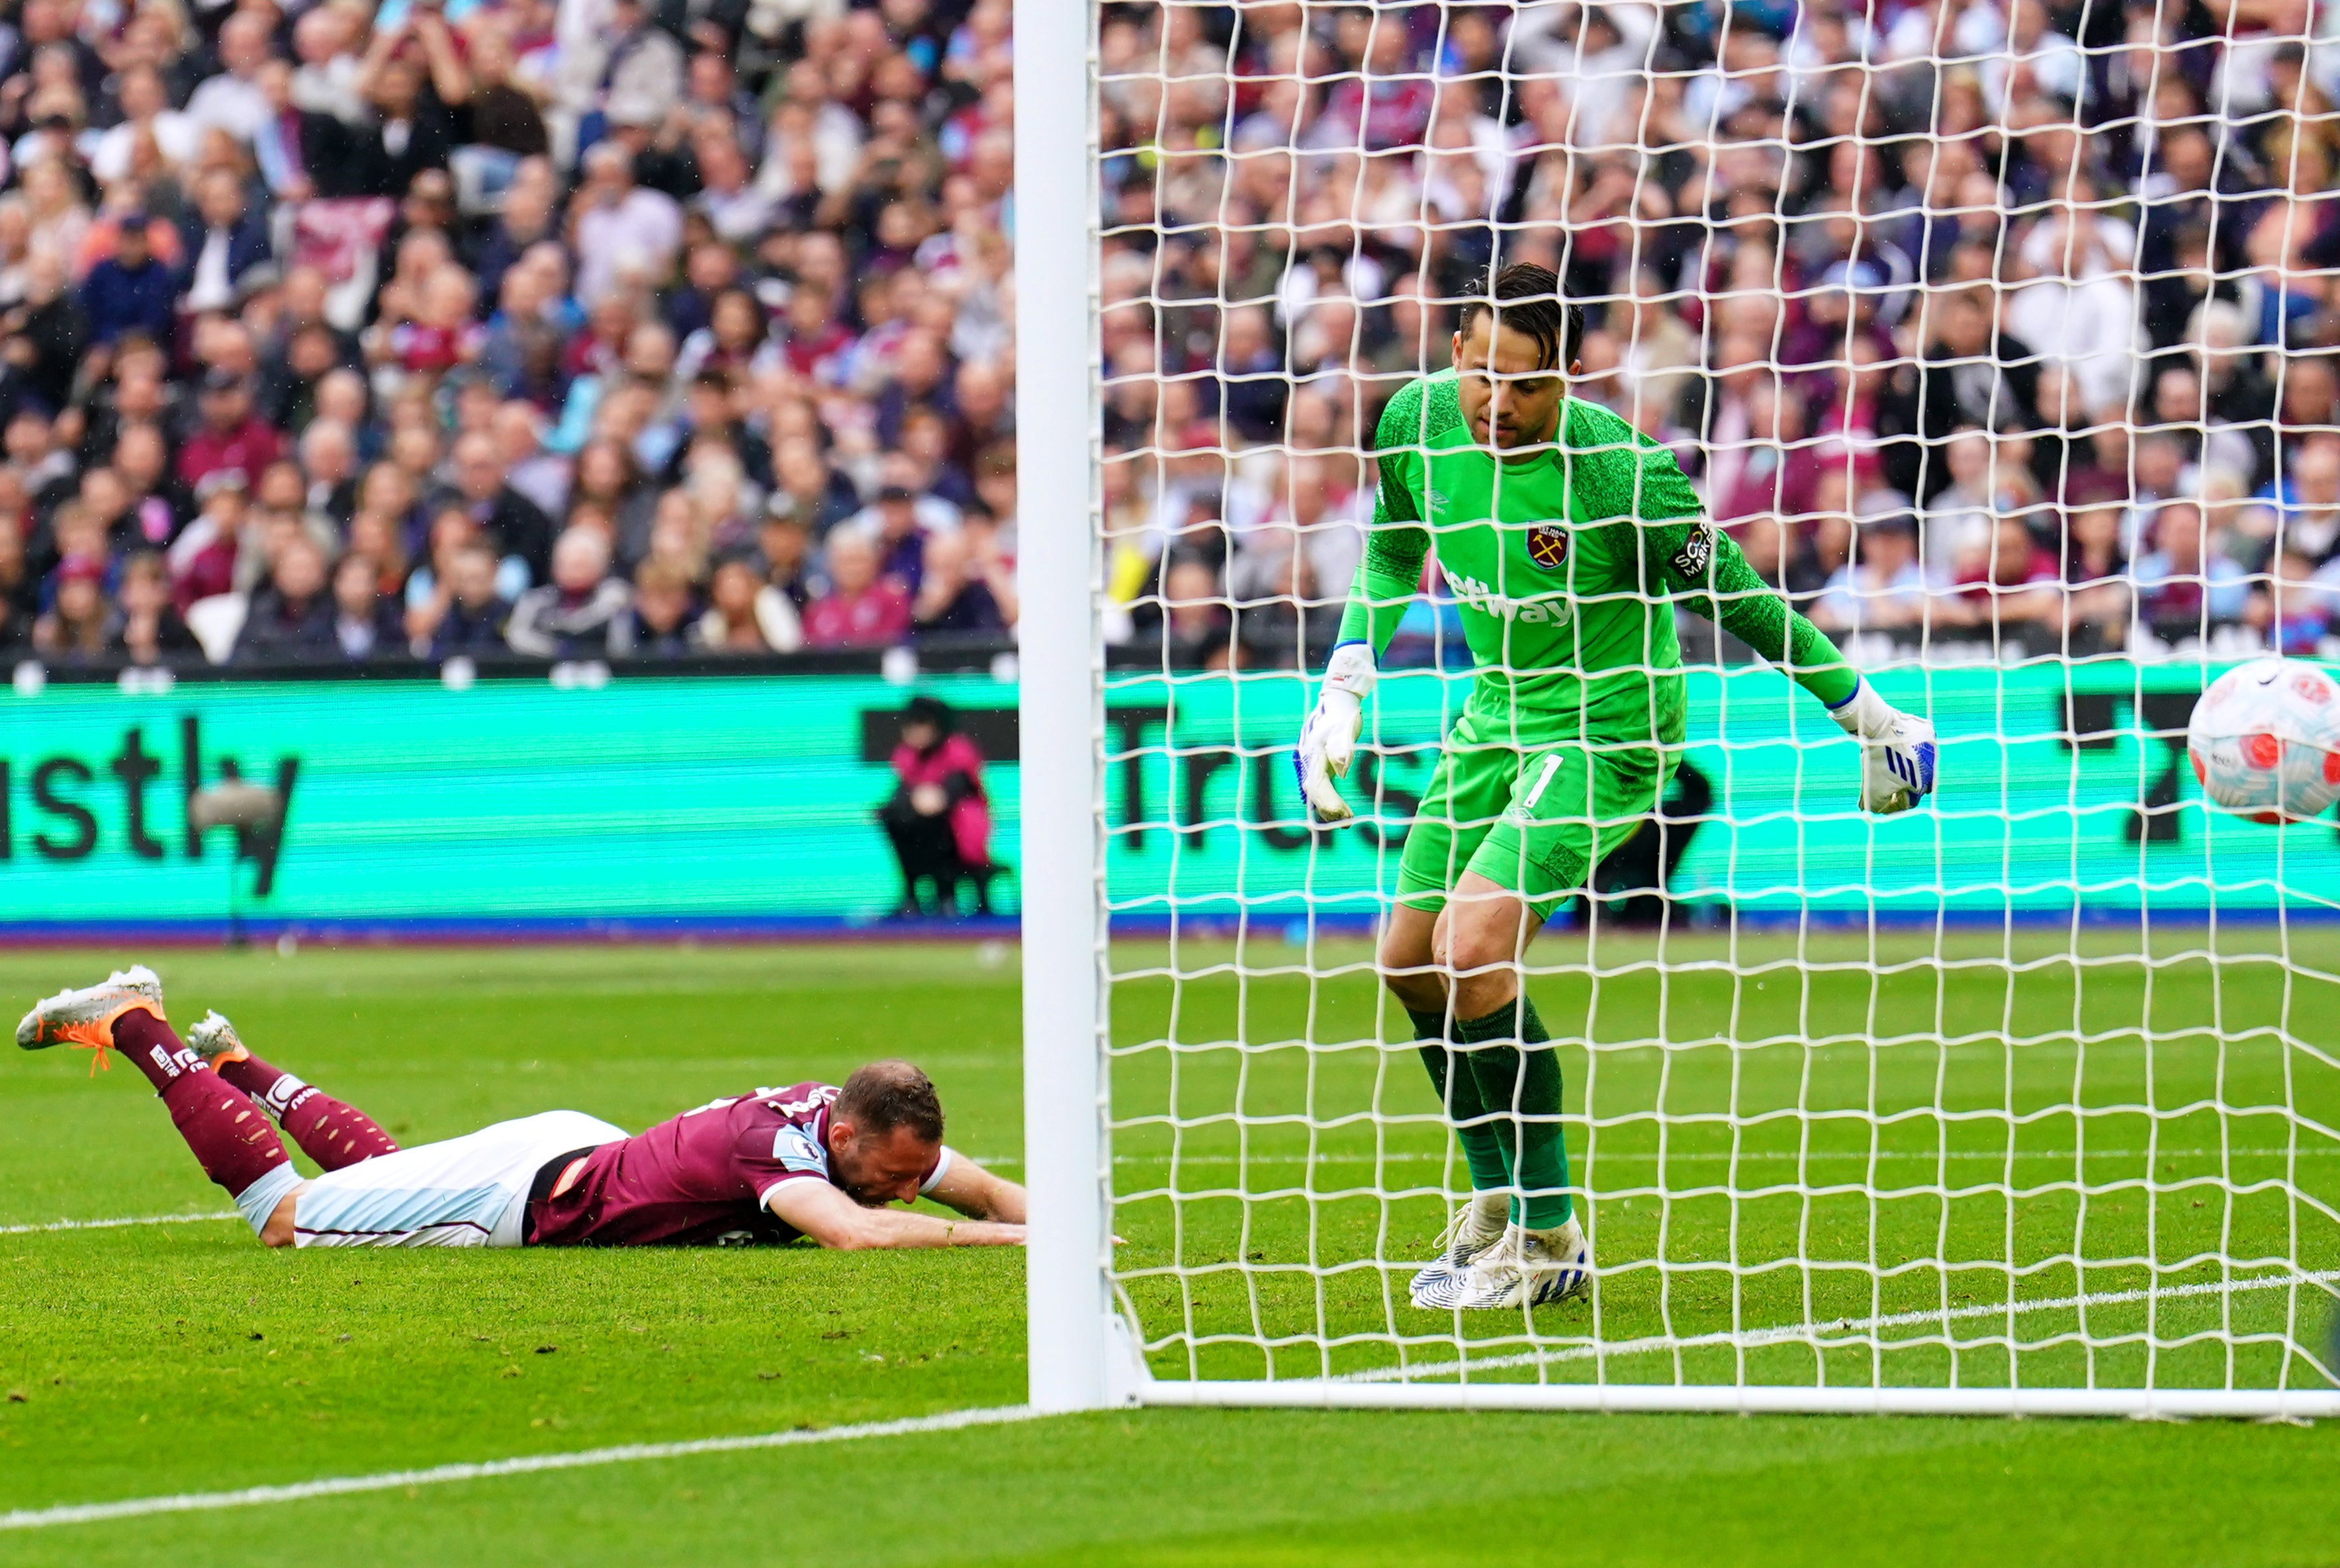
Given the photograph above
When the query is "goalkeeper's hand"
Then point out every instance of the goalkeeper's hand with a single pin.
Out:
(1328, 741)
(1897, 751)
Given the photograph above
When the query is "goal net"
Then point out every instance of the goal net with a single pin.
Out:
(2001, 340)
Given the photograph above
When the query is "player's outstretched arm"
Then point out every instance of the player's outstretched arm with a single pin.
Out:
(822, 1212)
(1636, 480)
(1705, 567)
(977, 1194)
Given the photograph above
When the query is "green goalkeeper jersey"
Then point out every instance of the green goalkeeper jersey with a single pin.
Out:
(1566, 565)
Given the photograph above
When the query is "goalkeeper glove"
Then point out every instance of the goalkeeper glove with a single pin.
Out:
(1328, 741)
(1897, 751)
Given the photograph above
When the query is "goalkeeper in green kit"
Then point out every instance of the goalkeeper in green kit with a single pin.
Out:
(1565, 537)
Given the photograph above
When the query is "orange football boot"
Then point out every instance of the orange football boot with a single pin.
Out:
(85, 1019)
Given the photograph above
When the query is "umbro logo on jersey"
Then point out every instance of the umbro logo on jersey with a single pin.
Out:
(1548, 546)
(1438, 500)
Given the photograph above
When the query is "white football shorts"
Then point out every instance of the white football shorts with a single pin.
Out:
(468, 1191)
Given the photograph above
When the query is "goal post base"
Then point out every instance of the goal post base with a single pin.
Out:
(1755, 1399)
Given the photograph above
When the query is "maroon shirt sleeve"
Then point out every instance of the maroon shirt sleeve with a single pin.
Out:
(771, 1148)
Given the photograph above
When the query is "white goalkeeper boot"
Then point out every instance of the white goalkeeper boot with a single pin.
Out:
(1472, 1231)
(1526, 1268)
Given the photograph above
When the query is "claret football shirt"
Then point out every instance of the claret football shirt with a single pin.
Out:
(700, 1178)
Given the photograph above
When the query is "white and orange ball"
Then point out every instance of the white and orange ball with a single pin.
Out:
(2265, 740)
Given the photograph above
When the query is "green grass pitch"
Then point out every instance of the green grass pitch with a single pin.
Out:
(165, 1359)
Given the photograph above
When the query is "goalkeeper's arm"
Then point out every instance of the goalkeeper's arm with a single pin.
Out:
(1386, 579)
(1705, 569)
(1387, 576)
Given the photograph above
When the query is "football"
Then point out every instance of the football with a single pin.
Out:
(2265, 740)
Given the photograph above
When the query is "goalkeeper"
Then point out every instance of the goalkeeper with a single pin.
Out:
(1564, 535)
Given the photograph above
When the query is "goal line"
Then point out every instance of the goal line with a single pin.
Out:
(1812, 1333)
(1407, 1387)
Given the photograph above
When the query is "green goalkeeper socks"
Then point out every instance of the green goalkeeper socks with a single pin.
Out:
(1519, 1089)
(1458, 1091)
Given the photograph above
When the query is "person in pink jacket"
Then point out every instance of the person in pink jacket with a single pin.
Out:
(938, 817)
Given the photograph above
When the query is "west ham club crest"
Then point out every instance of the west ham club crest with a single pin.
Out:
(1548, 546)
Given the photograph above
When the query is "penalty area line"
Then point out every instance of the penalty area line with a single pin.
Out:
(1814, 1333)
(488, 1470)
(117, 1223)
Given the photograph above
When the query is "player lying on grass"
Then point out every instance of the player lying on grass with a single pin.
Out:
(1568, 538)
(812, 1159)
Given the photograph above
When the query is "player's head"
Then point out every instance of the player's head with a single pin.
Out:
(885, 1133)
(1513, 342)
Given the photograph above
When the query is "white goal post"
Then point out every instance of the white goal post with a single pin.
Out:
(2028, 1103)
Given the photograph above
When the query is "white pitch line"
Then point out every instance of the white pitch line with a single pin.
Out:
(1720, 1156)
(116, 1223)
(527, 1464)
(1792, 1333)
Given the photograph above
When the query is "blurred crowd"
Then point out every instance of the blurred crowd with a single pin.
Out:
(577, 329)
(2001, 327)
(607, 328)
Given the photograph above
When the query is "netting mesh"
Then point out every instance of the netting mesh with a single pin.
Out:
(1997, 337)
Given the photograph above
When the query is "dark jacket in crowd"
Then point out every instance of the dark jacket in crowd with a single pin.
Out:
(471, 632)
(247, 247)
(118, 300)
(276, 629)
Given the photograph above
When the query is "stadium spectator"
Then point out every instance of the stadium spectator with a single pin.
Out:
(2184, 590)
(223, 243)
(2302, 507)
(1196, 622)
(2294, 611)
(232, 441)
(731, 624)
(2100, 600)
(367, 624)
(292, 617)
(148, 629)
(130, 291)
(77, 627)
(581, 613)
(659, 619)
(862, 608)
(1883, 587)
(19, 589)
(966, 585)
(466, 614)
(515, 525)
(2010, 583)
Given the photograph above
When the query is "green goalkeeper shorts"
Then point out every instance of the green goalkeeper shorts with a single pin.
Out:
(1534, 818)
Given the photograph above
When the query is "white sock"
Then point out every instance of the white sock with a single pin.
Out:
(1489, 1212)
